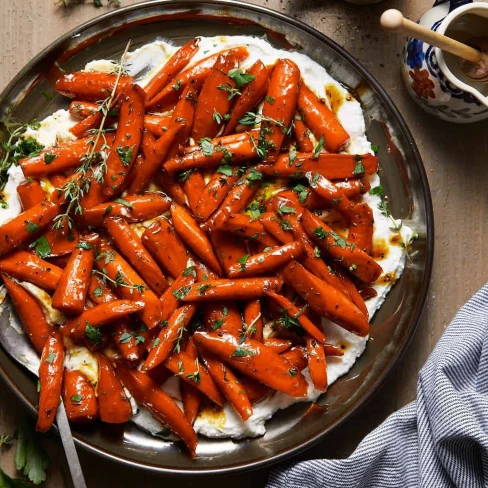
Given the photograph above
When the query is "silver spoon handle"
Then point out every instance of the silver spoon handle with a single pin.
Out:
(69, 448)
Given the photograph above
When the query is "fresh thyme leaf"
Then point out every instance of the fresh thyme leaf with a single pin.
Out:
(84, 245)
(191, 270)
(269, 99)
(229, 88)
(76, 398)
(31, 227)
(217, 118)
(125, 203)
(93, 334)
(125, 154)
(194, 377)
(177, 85)
(49, 158)
(302, 192)
(241, 352)
(252, 119)
(377, 190)
(240, 78)
(359, 168)
(125, 338)
(181, 292)
(217, 324)
(203, 288)
(320, 233)
(156, 342)
(184, 175)
(338, 240)
(98, 292)
(318, 148)
(286, 210)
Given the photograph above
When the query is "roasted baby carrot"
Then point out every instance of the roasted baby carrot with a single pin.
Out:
(169, 185)
(60, 158)
(127, 140)
(277, 344)
(352, 292)
(223, 290)
(362, 227)
(30, 194)
(253, 320)
(348, 255)
(134, 208)
(278, 228)
(130, 246)
(91, 86)
(296, 356)
(161, 240)
(100, 315)
(254, 359)
(128, 284)
(171, 298)
(168, 340)
(353, 188)
(224, 317)
(196, 73)
(228, 384)
(82, 110)
(156, 125)
(50, 380)
(72, 288)
(114, 406)
(30, 313)
(191, 396)
(170, 69)
(252, 94)
(267, 261)
(331, 166)
(214, 193)
(228, 248)
(317, 364)
(326, 300)
(191, 234)
(29, 267)
(148, 393)
(297, 314)
(79, 397)
(321, 120)
(83, 127)
(26, 226)
(302, 134)
(193, 186)
(193, 372)
(279, 106)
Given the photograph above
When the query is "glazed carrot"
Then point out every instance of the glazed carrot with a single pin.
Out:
(82, 128)
(331, 166)
(255, 360)
(70, 294)
(214, 193)
(277, 344)
(238, 198)
(229, 385)
(221, 290)
(326, 300)
(129, 284)
(235, 149)
(157, 125)
(317, 364)
(197, 73)
(94, 195)
(134, 208)
(98, 290)
(331, 194)
(296, 356)
(30, 313)
(29, 267)
(302, 135)
(353, 188)
(161, 240)
(79, 397)
(353, 292)
(228, 248)
(297, 314)
(60, 158)
(361, 228)
(100, 315)
(253, 319)
(30, 194)
(127, 140)
(191, 234)
(243, 226)
(26, 226)
(191, 397)
(358, 262)
(213, 99)
(148, 393)
(278, 228)
(91, 86)
(171, 298)
(224, 317)
(321, 120)
(193, 372)
(169, 185)
(130, 246)
(252, 94)
(81, 109)
(168, 340)
(170, 69)
(50, 380)
(114, 406)
(267, 261)
(193, 186)
(279, 105)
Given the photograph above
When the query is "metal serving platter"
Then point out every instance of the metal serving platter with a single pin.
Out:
(403, 177)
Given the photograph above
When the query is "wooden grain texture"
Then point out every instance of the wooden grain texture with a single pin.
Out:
(455, 157)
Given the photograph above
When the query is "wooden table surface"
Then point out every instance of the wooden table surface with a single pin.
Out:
(455, 157)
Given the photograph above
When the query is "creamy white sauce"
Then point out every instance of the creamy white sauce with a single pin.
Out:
(143, 63)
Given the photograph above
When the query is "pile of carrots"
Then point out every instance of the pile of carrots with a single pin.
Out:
(187, 292)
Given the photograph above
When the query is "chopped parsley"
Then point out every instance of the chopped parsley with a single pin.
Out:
(240, 78)
(125, 154)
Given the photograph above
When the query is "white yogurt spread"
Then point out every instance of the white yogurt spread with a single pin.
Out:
(143, 63)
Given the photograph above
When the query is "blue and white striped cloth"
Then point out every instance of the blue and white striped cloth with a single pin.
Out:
(440, 440)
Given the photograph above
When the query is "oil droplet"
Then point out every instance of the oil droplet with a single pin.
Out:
(380, 249)
(213, 417)
(396, 240)
(387, 278)
(334, 96)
